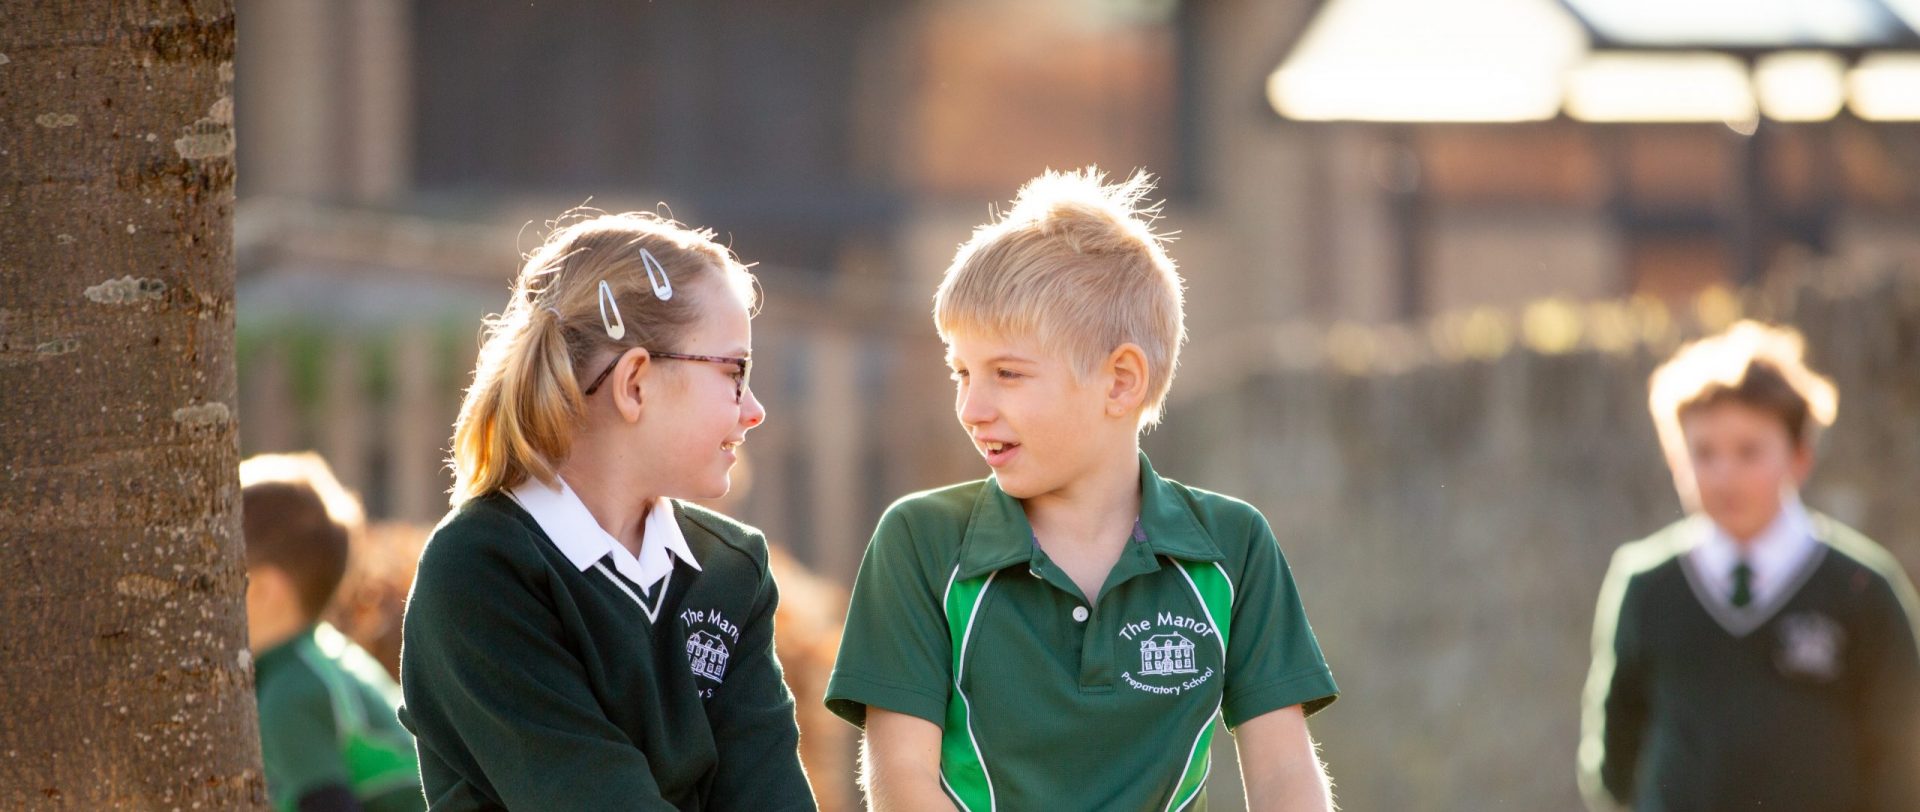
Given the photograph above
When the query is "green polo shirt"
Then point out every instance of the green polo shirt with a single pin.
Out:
(327, 720)
(958, 617)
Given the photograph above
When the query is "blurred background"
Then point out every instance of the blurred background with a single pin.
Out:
(1433, 248)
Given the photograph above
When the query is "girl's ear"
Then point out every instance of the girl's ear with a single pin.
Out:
(1126, 369)
(628, 383)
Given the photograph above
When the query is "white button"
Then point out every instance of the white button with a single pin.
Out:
(1080, 614)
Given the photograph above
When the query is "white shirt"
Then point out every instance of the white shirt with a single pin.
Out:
(1776, 555)
(584, 542)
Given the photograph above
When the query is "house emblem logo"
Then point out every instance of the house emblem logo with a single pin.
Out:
(1811, 646)
(1165, 655)
(707, 653)
(1178, 653)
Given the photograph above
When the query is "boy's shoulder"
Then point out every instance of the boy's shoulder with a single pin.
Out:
(288, 681)
(949, 505)
(1655, 559)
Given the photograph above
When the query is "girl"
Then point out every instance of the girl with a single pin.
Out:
(577, 637)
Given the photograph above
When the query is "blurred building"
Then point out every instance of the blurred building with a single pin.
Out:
(396, 156)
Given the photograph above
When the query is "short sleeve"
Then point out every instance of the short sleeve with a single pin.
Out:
(1273, 659)
(895, 652)
(299, 741)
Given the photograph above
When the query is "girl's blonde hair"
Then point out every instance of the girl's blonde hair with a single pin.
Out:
(1076, 265)
(520, 414)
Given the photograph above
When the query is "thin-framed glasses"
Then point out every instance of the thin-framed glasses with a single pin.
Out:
(743, 367)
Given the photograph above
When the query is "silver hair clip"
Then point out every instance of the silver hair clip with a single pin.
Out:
(662, 288)
(617, 326)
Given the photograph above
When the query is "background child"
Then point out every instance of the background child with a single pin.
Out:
(328, 733)
(1754, 654)
(578, 637)
(1063, 634)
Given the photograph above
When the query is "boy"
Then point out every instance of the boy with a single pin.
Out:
(328, 732)
(1062, 634)
(1754, 654)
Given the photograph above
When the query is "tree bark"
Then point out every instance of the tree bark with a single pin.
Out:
(125, 681)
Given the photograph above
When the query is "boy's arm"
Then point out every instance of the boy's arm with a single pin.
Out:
(1613, 716)
(901, 759)
(484, 669)
(1278, 764)
(330, 798)
(753, 722)
(1892, 697)
(893, 673)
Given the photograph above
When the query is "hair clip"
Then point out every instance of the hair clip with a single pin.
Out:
(662, 288)
(617, 326)
(556, 313)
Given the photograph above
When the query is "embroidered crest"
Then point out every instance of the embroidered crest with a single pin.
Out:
(710, 641)
(1164, 654)
(1810, 646)
(1171, 661)
(707, 654)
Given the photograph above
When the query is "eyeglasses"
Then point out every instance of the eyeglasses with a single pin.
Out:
(742, 368)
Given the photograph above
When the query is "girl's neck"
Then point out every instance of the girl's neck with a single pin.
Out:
(608, 490)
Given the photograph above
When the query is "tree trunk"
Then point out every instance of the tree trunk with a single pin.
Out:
(125, 681)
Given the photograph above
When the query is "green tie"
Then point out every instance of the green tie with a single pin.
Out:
(1742, 585)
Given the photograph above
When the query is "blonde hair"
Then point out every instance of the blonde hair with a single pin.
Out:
(1076, 264)
(520, 413)
(1756, 365)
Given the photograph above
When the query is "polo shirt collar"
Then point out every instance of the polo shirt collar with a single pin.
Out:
(999, 536)
(572, 528)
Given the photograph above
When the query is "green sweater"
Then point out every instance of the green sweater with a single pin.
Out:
(532, 684)
(327, 721)
(1815, 708)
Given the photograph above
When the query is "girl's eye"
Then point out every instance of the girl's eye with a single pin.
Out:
(1007, 374)
(958, 375)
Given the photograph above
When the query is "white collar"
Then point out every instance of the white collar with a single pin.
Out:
(1775, 552)
(1783, 556)
(566, 521)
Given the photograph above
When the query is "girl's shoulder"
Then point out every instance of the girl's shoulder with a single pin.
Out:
(724, 532)
(488, 532)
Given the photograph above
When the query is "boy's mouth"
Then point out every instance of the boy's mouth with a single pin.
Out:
(998, 453)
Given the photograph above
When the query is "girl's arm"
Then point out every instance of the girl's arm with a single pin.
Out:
(1278, 765)
(753, 723)
(901, 758)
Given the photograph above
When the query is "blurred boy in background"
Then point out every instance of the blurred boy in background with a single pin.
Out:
(328, 733)
(1754, 654)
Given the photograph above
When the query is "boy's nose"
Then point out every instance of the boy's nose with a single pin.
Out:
(974, 409)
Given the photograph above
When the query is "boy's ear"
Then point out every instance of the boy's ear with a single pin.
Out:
(628, 382)
(1802, 462)
(1126, 369)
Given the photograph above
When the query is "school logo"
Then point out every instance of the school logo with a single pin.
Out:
(1177, 653)
(708, 656)
(1810, 646)
(1164, 654)
(710, 640)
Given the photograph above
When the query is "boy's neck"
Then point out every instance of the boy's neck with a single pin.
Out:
(1100, 505)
